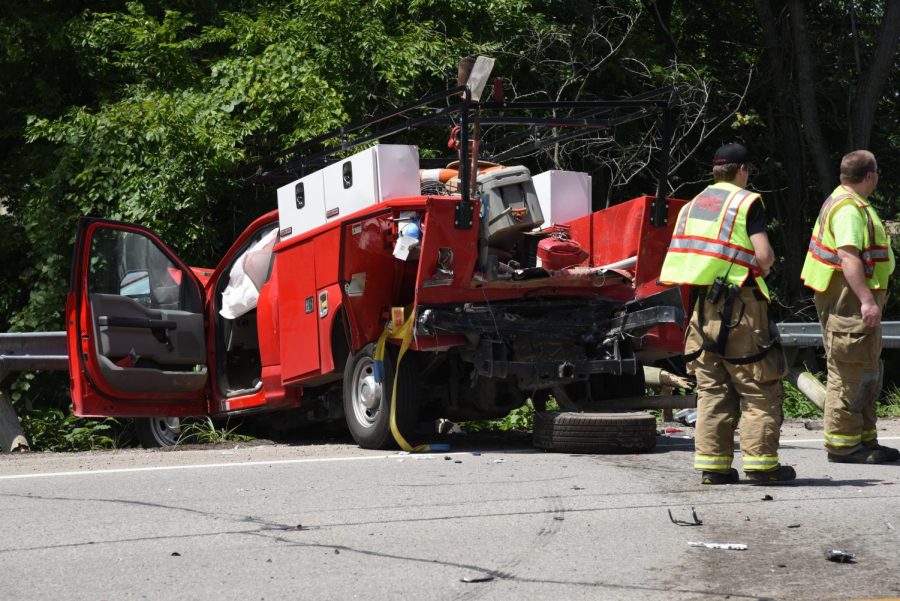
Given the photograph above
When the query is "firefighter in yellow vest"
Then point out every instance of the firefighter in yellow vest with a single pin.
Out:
(848, 265)
(721, 249)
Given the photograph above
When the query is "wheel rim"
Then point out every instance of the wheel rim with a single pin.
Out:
(367, 393)
(166, 430)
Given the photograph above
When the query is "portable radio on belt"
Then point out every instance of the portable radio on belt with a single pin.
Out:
(719, 285)
(716, 290)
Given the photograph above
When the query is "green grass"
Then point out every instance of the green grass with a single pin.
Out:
(889, 403)
(204, 431)
(797, 406)
(521, 419)
(50, 429)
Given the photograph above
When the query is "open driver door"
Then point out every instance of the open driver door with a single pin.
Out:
(135, 327)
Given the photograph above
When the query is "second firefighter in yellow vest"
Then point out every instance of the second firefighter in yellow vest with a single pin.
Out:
(848, 265)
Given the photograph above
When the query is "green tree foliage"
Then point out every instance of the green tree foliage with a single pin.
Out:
(146, 110)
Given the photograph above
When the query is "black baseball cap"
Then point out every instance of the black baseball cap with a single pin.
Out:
(732, 153)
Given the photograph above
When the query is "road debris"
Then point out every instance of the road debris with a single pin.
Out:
(725, 546)
(793, 525)
(697, 521)
(768, 498)
(474, 579)
(839, 556)
(688, 417)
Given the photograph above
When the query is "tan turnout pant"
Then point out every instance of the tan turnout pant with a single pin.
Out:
(855, 371)
(729, 393)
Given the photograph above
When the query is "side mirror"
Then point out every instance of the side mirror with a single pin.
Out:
(136, 286)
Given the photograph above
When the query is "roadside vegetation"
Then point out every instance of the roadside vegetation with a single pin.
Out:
(205, 431)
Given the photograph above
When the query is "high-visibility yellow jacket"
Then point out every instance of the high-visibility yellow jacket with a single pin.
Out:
(822, 259)
(711, 240)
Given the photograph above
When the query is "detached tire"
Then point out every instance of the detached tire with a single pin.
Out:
(595, 432)
(367, 403)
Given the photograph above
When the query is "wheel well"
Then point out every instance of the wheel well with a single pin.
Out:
(340, 343)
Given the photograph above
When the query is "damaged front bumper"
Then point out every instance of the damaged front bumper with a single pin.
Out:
(546, 341)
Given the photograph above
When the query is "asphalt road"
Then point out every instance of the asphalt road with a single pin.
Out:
(330, 521)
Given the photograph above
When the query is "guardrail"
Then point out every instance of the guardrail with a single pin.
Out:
(28, 351)
(25, 351)
(810, 334)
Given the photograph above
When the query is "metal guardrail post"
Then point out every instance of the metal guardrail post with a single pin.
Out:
(25, 352)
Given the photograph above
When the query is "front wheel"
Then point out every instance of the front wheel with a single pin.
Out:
(154, 432)
(367, 402)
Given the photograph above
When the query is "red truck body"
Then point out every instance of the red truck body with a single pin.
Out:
(147, 336)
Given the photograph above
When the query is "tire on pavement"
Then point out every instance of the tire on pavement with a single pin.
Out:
(570, 432)
(367, 403)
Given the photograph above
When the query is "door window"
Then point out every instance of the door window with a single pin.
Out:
(129, 264)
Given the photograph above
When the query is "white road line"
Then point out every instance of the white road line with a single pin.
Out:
(200, 466)
(784, 443)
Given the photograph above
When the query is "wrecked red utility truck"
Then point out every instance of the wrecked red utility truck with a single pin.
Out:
(485, 285)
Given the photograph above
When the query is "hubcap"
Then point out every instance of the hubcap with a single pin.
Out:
(167, 430)
(367, 393)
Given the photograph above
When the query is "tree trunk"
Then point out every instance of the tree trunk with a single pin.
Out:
(661, 11)
(806, 88)
(871, 82)
(790, 208)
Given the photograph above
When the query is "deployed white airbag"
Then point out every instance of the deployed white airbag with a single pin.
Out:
(246, 278)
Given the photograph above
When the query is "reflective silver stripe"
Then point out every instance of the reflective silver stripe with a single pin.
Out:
(841, 440)
(720, 462)
(761, 463)
(826, 208)
(682, 223)
(731, 211)
(825, 255)
(727, 253)
(870, 255)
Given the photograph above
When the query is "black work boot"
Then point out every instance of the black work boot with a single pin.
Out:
(873, 454)
(893, 454)
(782, 473)
(729, 477)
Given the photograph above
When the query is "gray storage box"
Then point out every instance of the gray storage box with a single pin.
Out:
(512, 203)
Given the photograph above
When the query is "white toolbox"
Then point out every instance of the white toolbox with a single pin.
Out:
(376, 174)
(563, 195)
(301, 205)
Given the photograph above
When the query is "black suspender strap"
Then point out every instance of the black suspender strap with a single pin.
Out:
(725, 327)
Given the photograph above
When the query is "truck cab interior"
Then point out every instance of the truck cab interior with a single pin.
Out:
(239, 367)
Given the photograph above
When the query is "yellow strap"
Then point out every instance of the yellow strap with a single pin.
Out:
(405, 334)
